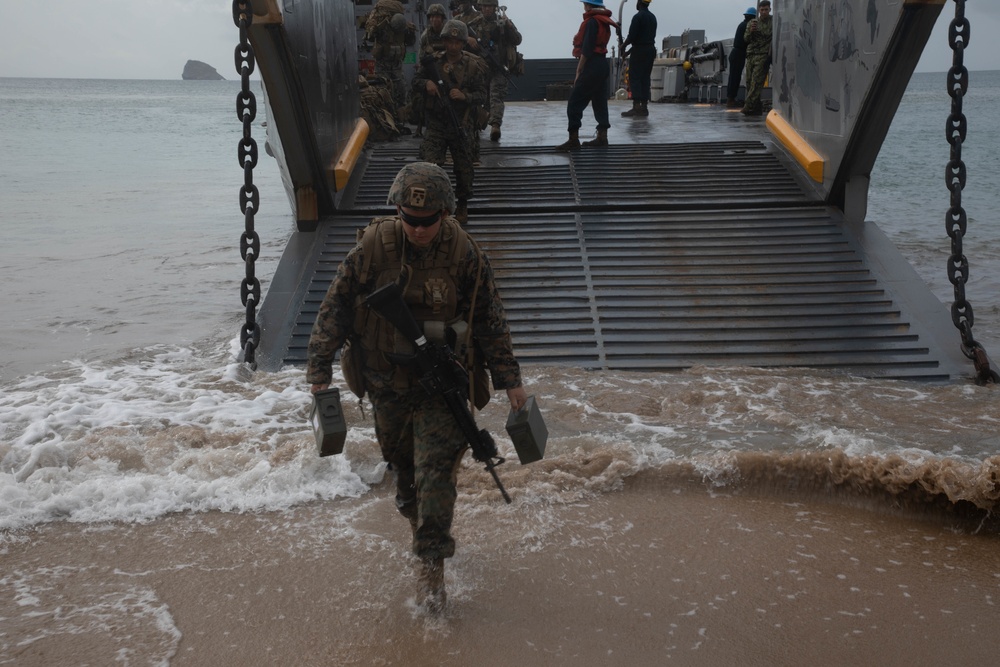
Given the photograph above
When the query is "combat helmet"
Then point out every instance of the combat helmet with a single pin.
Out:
(436, 10)
(455, 29)
(422, 185)
(397, 22)
(751, 11)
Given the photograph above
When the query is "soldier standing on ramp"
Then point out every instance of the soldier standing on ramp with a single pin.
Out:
(497, 39)
(758, 38)
(453, 85)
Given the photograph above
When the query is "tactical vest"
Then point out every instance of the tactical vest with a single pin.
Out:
(431, 293)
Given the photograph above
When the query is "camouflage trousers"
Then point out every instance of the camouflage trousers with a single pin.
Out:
(756, 75)
(421, 440)
(498, 93)
(438, 141)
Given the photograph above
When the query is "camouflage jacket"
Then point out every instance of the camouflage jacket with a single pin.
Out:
(497, 38)
(470, 75)
(759, 41)
(336, 318)
(430, 43)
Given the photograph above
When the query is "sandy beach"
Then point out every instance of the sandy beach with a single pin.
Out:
(661, 571)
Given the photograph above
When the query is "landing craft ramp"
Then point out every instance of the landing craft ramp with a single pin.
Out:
(691, 240)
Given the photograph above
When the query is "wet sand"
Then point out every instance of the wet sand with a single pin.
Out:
(661, 571)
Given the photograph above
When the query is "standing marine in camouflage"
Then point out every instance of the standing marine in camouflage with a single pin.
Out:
(758, 39)
(431, 43)
(430, 39)
(448, 282)
(453, 85)
(497, 39)
(466, 12)
(391, 33)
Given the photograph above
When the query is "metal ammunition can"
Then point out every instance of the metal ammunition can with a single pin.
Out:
(527, 431)
(328, 422)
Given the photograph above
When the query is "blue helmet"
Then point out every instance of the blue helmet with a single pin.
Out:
(597, 3)
(751, 11)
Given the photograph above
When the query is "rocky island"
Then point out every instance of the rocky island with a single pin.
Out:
(195, 70)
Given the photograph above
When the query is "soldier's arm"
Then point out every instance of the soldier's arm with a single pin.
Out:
(335, 320)
(513, 36)
(489, 324)
(477, 86)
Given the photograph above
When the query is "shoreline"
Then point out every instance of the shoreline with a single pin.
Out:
(648, 574)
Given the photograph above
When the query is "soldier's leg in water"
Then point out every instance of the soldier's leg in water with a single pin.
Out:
(438, 449)
(394, 431)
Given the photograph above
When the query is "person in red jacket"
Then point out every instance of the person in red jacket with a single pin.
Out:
(590, 48)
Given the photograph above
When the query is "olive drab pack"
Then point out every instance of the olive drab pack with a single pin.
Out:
(431, 294)
(387, 27)
(377, 108)
(380, 16)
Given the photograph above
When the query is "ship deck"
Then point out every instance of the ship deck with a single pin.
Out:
(690, 240)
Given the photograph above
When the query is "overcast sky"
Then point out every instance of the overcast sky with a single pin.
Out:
(152, 39)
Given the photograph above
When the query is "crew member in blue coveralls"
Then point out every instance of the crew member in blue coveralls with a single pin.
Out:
(642, 39)
(738, 58)
(590, 48)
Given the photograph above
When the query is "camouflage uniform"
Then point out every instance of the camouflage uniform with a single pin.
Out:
(469, 76)
(416, 433)
(758, 58)
(497, 39)
(391, 40)
(430, 39)
(467, 13)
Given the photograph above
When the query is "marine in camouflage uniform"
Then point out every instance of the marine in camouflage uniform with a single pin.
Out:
(497, 38)
(758, 40)
(388, 28)
(430, 44)
(466, 13)
(451, 116)
(417, 434)
(430, 39)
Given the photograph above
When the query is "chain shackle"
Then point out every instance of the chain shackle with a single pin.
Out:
(956, 175)
(246, 112)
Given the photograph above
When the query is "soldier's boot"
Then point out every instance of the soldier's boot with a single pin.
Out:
(494, 132)
(431, 594)
(643, 109)
(462, 211)
(731, 103)
(572, 143)
(600, 140)
(634, 111)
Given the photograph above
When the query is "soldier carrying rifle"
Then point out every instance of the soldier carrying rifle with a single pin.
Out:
(453, 87)
(496, 40)
(448, 286)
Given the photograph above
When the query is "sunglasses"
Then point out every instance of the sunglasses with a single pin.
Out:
(420, 221)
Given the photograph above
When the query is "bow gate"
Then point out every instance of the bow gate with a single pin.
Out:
(655, 257)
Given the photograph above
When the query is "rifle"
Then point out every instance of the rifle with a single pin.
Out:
(440, 375)
(429, 63)
(490, 55)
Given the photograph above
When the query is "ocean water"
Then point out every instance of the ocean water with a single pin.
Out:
(120, 397)
(121, 404)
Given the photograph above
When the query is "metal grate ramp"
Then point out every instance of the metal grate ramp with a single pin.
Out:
(606, 262)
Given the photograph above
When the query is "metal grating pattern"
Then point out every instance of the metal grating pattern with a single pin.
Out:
(699, 264)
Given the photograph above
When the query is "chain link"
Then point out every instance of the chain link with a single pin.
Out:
(956, 220)
(246, 111)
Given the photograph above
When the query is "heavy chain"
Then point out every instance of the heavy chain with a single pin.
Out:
(956, 219)
(246, 111)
